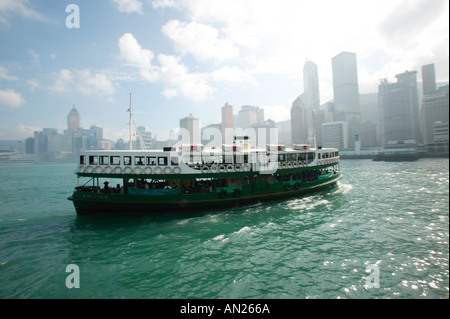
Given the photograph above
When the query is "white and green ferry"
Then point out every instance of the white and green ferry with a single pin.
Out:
(193, 178)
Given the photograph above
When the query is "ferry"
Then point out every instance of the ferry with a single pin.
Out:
(191, 177)
(398, 151)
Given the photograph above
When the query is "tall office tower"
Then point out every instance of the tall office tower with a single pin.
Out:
(250, 115)
(299, 125)
(435, 103)
(429, 79)
(335, 135)
(346, 92)
(318, 120)
(435, 108)
(192, 125)
(73, 120)
(227, 124)
(311, 86)
(399, 108)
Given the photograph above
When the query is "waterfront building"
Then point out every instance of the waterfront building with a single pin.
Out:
(399, 109)
(299, 122)
(192, 126)
(311, 95)
(346, 92)
(335, 134)
(227, 123)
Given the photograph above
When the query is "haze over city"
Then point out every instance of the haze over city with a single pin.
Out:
(191, 57)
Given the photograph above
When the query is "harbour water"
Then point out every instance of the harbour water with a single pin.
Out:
(382, 232)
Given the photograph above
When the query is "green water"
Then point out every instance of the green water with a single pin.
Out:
(392, 215)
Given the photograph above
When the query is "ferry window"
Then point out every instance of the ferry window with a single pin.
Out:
(310, 156)
(151, 160)
(139, 160)
(93, 160)
(162, 161)
(115, 160)
(291, 157)
(302, 157)
(127, 160)
(281, 157)
(104, 160)
(174, 161)
(82, 159)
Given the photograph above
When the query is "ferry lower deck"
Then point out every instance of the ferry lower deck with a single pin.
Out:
(143, 195)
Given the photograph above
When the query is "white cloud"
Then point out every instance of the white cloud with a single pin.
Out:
(63, 81)
(129, 6)
(83, 81)
(164, 4)
(201, 40)
(9, 8)
(89, 83)
(178, 80)
(174, 75)
(134, 55)
(275, 37)
(276, 113)
(5, 75)
(232, 75)
(10, 98)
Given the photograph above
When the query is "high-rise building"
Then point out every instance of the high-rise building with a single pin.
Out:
(299, 124)
(435, 104)
(311, 86)
(227, 123)
(250, 115)
(192, 126)
(346, 92)
(318, 120)
(399, 109)
(73, 120)
(335, 135)
(429, 79)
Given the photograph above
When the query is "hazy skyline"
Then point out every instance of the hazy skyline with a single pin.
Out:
(193, 56)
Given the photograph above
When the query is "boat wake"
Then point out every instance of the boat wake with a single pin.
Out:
(340, 189)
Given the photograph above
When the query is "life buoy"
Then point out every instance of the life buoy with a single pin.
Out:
(118, 170)
(98, 170)
(246, 168)
(108, 170)
(223, 194)
(127, 170)
(237, 168)
(81, 169)
(158, 170)
(167, 170)
(205, 169)
(230, 168)
(167, 187)
(290, 165)
(284, 165)
(222, 168)
(287, 186)
(304, 164)
(137, 170)
(148, 170)
(89, 169)
(177, 170)
(213, 169)
(298, 185)
(237, 193)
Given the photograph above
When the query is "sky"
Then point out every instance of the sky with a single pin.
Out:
(181, 57)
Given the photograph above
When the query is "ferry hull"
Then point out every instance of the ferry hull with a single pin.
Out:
(89, 203)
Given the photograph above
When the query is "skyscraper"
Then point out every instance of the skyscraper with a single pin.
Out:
(399, 108)
(346, 92)
(299, 125)
(192, 125)
(227, 123)
(73, 120)
(311, 86)
(429, 79)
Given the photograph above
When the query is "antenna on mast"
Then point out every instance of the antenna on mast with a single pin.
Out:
(132, 121)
